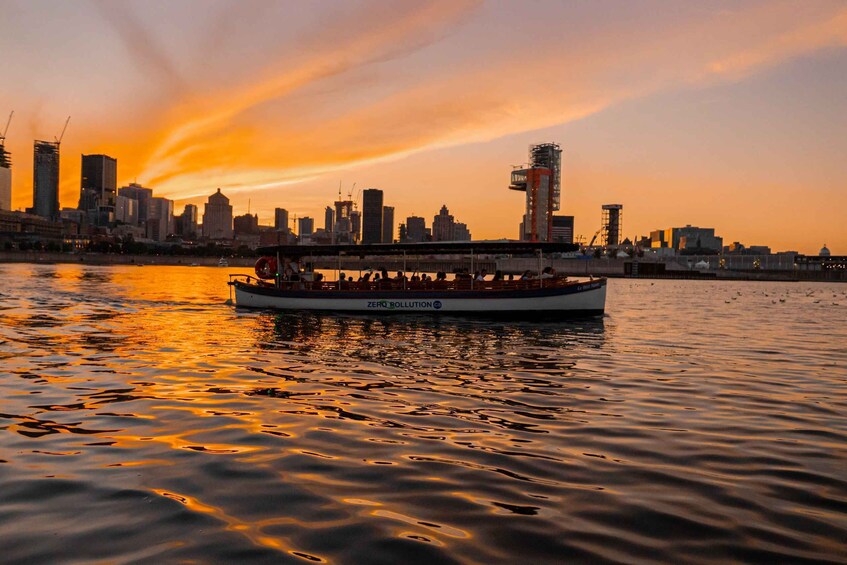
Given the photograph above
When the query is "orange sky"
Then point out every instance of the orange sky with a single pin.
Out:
(723, 114)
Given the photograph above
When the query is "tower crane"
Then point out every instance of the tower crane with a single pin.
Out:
(64, 129)
(9, 121)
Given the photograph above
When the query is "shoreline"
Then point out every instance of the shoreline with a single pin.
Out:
(566, 267)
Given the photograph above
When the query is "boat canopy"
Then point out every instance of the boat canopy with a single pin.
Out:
(426, 248)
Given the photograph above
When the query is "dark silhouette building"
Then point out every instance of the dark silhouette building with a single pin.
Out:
(98, 188)
(281, 219)
(45, 180)
(372, 216)
(388, 224)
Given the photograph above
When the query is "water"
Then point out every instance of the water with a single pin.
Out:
(141, 419)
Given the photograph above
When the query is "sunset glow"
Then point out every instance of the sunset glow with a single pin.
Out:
(731, 115)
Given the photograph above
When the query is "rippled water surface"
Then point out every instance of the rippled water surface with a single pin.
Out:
(142, 419)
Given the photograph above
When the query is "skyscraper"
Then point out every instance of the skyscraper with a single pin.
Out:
(217, 217)
(442, 225)
(281, 219)
(5, 178)
(415, 229)
(541, 182)
(140, 194)
(305, 226)
(329, 219)
(355, 226)
(98, 188)
(371, 216)
(45, 180)
(188, 221)
(388, 224)
(160, 221)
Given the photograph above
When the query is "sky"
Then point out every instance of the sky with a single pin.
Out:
(721, 114)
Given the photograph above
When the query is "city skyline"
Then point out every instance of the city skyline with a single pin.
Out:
(729, 115)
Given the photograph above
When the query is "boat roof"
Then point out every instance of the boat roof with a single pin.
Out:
(507, 247)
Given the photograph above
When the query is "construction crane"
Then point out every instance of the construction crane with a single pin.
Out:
(64, 129)
(593, 239)
(9, 121)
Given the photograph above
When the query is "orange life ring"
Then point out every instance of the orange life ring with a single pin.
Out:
(266, 267)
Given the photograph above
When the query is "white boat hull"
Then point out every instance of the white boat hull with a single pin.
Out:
(581, 298)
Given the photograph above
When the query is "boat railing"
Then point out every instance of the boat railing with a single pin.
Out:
(408, 285)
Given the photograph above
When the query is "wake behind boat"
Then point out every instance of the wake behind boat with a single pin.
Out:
(280, 284)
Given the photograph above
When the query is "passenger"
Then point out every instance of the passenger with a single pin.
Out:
(415, 278)
(547, 273)
(424, 278)
(498, 275)
(400, 276)
(511, 277)
(376, 278)
(366, 277)
(526, 276)
(481, 275)
(384, 274)
(342, 277)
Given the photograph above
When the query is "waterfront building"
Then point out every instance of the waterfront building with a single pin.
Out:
(281, 219)
(541, 183)
(305, 226)
(461, 232)
(415, 229)
(160, 221)
(142, 196)
(563, 229)
(187, 224)
(45, 180)
(98, 188)
(5, 178)
(388, 224)
(442, 225)
(329, 219)
(217, 217)
(126, 210)
(355, 226)
(372, 216)
(246, 224)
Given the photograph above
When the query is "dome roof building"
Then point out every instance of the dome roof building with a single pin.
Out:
(824, 252)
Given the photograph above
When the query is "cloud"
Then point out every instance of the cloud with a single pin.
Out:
(259, 133)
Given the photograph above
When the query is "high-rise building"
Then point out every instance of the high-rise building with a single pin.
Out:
(217, 217)
(442, 225)
(188, 221)
(5, 178)
(98, 188)
(160, 219)
(563, 229)
(388, 224)
(461, 232)
(329, 219)
(415, 229)
(45, 179)
(541, 182)
(305, 226)
(371, 216)
(246, 224)
(126, 210)
(342, 231)
(281, 219)
(355, 226)
(141, 195)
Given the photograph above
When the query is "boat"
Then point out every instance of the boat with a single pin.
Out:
(223, 262)
(280, 284)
